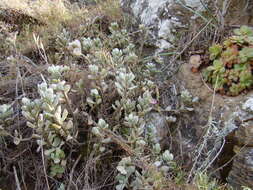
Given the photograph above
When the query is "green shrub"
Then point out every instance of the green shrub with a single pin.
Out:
(51, 122)
(6, 113)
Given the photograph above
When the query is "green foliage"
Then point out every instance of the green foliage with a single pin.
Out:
(104, 112)
(125, 128)
(246, 188)
(215, 51)
(6, 113)
(52, 125)
(230, 71)
(203, 182)
(243, 31)
(92, 121)
(152, 177)
(117, 81)
(246, 54)
(119, 37)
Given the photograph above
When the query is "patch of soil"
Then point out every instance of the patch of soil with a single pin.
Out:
(223, 105)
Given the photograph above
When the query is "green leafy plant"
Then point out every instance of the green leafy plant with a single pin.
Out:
(6, 113)
(50, 120)
(215, 51)
(230, 71)
(204, 182)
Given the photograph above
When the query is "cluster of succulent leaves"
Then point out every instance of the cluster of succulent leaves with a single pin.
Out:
(231, 70)
(49, 118)
(6, 120)
(6, 113)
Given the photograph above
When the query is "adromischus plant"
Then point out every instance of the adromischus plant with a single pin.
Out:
(133, 104)
(126, 127)
(90, 45)
(203, 182)
(150, 176)
(75, 48)
(118, 38)
(61, 45)
(50, 120)
(95, 98)
(6, 114)
(231, 69)
(6, 119)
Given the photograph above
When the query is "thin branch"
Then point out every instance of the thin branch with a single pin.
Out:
(16, 178)
(72, 172)
(187, 46)
(44, 167)
(216, 156)
(202, 145)
(205, 83)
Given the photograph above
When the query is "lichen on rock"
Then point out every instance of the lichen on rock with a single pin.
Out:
(163, 18)
(241, 173)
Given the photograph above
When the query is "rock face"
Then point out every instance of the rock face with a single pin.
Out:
(241, 173)
(167, 19)
(236, 114)
(163, 18)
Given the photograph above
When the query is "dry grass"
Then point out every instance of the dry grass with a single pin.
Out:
(44, 10)
(109, 8)
(56, 15)
(51, 15)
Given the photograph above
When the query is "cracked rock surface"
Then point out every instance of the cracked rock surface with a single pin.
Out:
(164, 18)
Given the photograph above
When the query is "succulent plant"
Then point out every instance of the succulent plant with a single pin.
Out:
(6, 111)
(75, 48)
(119, 38)
(6, 114)
(230, 71)
(50, 121)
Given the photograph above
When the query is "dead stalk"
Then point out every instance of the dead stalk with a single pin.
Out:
(187, 46)
(72, 172)
(16, 178)
(44, 167)
(205, 137)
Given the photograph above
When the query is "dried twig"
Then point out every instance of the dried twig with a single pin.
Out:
(187, 46)
(205, 137)
(40, 47)
(216, 156)
(16, 178)
(72, 172)
(44, 167)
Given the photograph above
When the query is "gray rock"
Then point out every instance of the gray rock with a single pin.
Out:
(156, 128)
(242, 169)
(241, 173)
(164, 18)
(248, 105)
